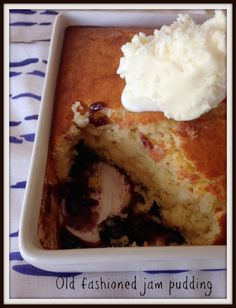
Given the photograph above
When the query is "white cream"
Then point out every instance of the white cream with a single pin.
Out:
(180, 70)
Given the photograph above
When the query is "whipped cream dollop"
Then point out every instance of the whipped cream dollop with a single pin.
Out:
(179, 70)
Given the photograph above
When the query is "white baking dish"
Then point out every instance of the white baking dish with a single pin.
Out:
(97, 259)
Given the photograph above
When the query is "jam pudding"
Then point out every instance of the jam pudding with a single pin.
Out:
(167, 178)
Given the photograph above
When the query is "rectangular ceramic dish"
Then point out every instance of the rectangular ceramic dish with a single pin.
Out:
(97, 259)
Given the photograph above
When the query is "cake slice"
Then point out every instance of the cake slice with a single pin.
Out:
(177, 168)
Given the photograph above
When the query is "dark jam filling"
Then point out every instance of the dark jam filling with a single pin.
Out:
(97, 106)
(78, 202)
(138, 229)
(81, 211)
(95, 117)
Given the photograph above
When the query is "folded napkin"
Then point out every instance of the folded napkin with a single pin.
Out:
(30, 33)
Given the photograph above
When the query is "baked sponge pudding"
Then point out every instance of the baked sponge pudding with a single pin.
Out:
(120, 178)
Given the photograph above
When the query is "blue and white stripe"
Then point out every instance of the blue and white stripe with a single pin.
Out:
(31, 25)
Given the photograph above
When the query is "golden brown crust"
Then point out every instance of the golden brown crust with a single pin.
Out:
(204, 141)
(49, 216)
(221, 238)
(84, 49)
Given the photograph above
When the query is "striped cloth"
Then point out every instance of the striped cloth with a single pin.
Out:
(30, 32)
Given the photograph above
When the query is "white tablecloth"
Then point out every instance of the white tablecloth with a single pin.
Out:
(30, 32)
